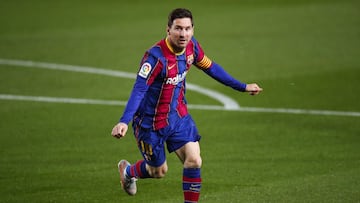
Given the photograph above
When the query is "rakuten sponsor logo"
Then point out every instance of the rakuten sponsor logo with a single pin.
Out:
(177, 79)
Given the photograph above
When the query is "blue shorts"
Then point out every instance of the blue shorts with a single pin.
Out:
(151, 142)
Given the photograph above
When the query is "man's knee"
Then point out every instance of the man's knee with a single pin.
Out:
(193, 162)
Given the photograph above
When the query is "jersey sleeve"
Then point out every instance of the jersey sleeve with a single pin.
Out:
(145, 75)
(137, 94)
(201, 60)
(218, 73)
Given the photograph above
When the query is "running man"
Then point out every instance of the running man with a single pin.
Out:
(158, 109)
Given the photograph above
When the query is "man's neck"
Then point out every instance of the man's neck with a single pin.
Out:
(172, 49)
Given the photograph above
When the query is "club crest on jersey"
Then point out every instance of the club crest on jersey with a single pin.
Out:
(145, 70)
(190, 59)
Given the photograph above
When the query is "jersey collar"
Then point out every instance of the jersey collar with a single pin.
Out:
(171, 49)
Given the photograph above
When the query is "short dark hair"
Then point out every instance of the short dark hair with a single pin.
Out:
(179, 13)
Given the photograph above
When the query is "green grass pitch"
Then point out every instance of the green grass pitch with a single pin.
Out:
(305, 54)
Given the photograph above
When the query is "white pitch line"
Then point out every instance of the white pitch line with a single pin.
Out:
(190, 106)
(300, 111)
(86, 101)
(229, 103)
(61, 100)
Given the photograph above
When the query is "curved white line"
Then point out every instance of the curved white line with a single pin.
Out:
(228, 103)
(191, 106)
(61, 100)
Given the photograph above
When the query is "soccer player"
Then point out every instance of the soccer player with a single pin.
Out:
(158, 109)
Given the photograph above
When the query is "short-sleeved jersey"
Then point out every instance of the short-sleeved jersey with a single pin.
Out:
(164, 73)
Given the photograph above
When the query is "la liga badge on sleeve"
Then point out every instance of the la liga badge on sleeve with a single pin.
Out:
(145, 70)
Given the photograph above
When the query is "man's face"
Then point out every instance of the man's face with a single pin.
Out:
(180, 33)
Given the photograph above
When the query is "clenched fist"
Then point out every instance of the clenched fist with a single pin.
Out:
(119, 130)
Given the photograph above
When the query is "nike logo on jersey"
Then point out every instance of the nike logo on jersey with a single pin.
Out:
(170, 67)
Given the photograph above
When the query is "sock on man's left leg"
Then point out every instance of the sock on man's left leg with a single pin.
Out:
(191, 184)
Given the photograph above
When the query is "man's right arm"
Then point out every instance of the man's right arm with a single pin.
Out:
(137, 94)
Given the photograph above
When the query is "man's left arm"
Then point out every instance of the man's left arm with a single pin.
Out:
(219, 74)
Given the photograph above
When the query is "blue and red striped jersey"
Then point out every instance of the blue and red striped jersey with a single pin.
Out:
(158, 96)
